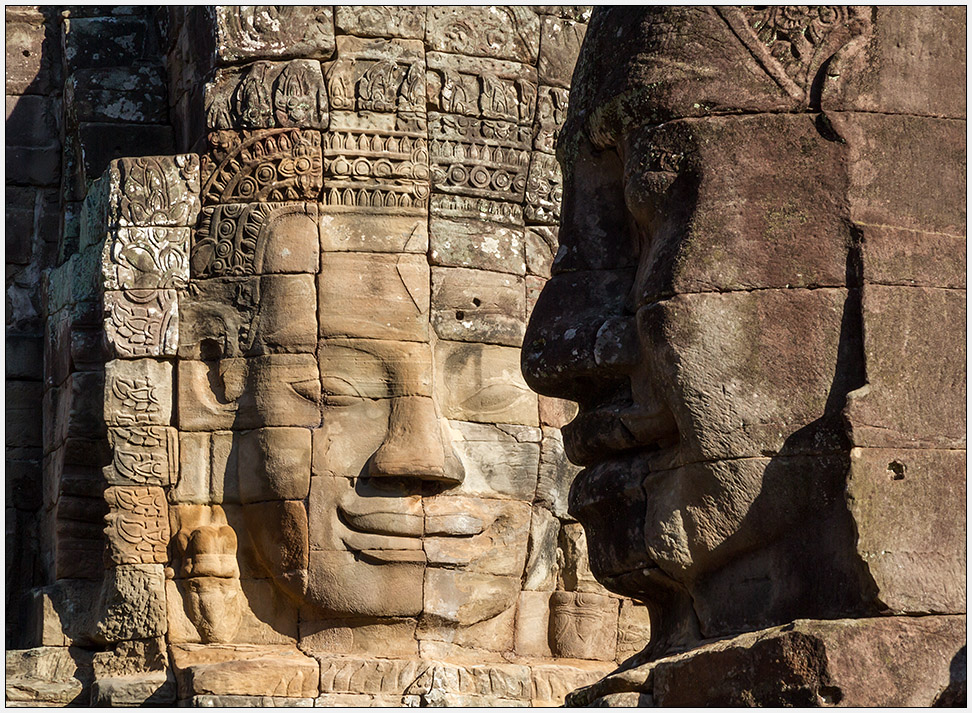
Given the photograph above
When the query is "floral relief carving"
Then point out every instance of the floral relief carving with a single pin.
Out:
(155, 190)
(142, 322)
(276, 165)
(146, 257)
(144, 455)
(137, 525)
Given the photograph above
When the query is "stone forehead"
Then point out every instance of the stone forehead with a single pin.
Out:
(649, 65)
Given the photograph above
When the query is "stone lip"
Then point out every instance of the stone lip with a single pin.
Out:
(880, 661)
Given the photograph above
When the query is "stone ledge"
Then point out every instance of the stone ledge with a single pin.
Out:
(880, 661)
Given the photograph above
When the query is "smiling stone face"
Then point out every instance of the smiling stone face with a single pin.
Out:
(349, 362)
(352, 479)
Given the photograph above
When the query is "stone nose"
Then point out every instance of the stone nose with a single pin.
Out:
(579, 341)
(414, 445)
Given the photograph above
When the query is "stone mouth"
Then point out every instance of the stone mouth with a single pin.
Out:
(595, 436)
(397, 524)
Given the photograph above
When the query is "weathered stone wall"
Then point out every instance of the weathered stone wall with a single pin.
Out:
(33, 154)
(364, 186)
(84, 85)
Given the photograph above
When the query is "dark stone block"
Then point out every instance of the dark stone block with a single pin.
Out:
(34, 166)
(32, 121)
(103, 143)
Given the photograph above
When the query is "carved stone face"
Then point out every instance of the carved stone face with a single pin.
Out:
(371, 481)
(699, 315)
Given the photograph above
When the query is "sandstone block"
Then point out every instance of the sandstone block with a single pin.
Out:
(898, 256)
(466, 598)
(540, 248)
(391, 589)
(63, 614)
(494, 91)
(210, 701)
(278, 532)
(256, 238)
(352, 430)
(29, 68)
(753, 398)
(269, 390)
(494, 462)
(482, 382)
(560, 41)
(387, 297)
(130, 658)
(138, 392)
(224, 484)
(474, 244)
(271, 32)
(131, 94)
(199, 408)
(193, 484)
(137, 525)
(153, 191)
(85, 44)
(369, 76)
(551, 683)
(910, 534)
(868, 85)
(476, 534)
(892, 156)
(156, 688)
(391, 637)
(478, 306)
(576, 574)
(266, 165)
(133, 597)
(583, 625)
(907, 359)
(556, 473)
(377, 21)
(472, 684)
(370, 232)
(532, 624)
(52, 675)
(542, 565)
(634, 629)
(146, 258)
(544, 189)
(264, 95)
(142, 455)
(464, 208)
(343, 675)
(821, 661)
(142, 323)
(375, 368)
(504, 33)
(274, 464)
(243, 670)
(282, 323)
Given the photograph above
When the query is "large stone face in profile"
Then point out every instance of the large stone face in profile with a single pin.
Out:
(758, 304)
(327, 481)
